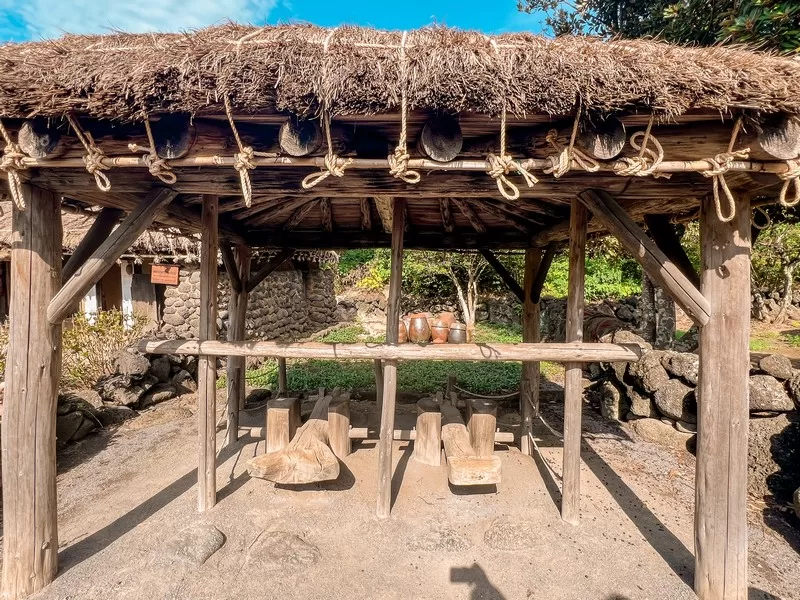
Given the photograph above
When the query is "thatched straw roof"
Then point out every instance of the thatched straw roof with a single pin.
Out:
(292, 68)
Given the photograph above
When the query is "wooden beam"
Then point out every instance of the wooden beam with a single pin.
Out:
(605, 139)
(272, 264)
(366, 215)
(283, 379)
(231, 268)
(38, 138)
(447, 216)
(99, 231)
(383, 204)
(207, 365)
(300, 137)
(655, 263)
(237, 317)
(470, 215)
(107, 254)
(501, 270)
(550, 351)
(541, 272)
(276, 211)
(498, 213)
(33, 370)
(531, 371)
(384, 503)
(666, 238)
(722, 416)
(355, 238)
(327, 217)
(298, 215)
(441, 138)
(573, 388)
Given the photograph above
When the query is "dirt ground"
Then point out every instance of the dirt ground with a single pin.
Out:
(129, 527)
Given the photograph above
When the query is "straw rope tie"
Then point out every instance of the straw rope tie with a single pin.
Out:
(398, 162)
(648, 159)
(561, 163)
(790, 177)
(245, 158)
(157, 166)
(333, 166)
(760, 210)
(720, 165)
(12, 163)
(503, 164)
(94, 156)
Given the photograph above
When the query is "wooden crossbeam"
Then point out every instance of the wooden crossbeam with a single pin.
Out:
(542, 270)
(666, 238)
(366, 215)
(272, 264)
(470, 215)
(298, 215)
(447, 216)
(107, 254)
(384, 206)
(501, 270)
(512, 220)
(327, 217)
(102, 227)
(655, 263)
(229, 260)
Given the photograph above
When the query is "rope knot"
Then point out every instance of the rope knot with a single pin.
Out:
(501, 166)
(561, 162)
(245, 159)
(398, 166)
(721, 164)
(332, 167)
(12, 163)
(648, 159)
(790, 178)
(95, 166)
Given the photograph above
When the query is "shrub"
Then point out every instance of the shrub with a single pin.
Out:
(90, 349)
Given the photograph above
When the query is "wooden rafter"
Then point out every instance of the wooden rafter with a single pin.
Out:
(272, 264)
(327, 217)
(275, 213)
(98, 233)
(497, 213)
(298, 215)
(501, 270)
(666, 238)
(447, 216)
(384, 206)
(470, 214)
(366, 215)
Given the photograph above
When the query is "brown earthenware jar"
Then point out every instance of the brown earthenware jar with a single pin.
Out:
(420, 331)
(458, 333)
(402, 333)
(446, 318)
(429, 317)
(440, 332)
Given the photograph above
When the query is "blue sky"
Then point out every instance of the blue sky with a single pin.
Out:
(37, 19)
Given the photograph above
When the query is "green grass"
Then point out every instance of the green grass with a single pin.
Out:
(759, 345)
(793, 340)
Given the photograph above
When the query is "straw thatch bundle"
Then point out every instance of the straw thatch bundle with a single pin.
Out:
(358, 71)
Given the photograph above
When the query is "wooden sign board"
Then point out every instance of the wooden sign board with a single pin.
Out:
(165, 274)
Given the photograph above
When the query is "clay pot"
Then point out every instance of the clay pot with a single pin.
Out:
(420, 331)
(447, 318)
(439, 332)
(402, 333)
(458, 333)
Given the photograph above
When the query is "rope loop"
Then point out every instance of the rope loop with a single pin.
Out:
(647, 161)
(501, 165)
(244, 160)
(94, 156)
(720, 165)
(561, 162)
(333, 166)
(758, 209)
(398, 162)
(158, 167)
(12, 163)
(790, 178)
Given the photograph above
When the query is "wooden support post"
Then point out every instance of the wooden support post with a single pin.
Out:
(655, 263)
(390, 366)
(272, 264)
(464, 466)
(428, 443)
(531, 371)
(207, 365)
(722, 416)
(98, 233)
(283, 419)
(503, 273)
(481, 424)
(283, 379)
(666, 238)
(339, 426)
(33, 369)
(573, 388)
(107, 254)
(238, 264)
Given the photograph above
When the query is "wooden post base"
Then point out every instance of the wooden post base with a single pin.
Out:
(428, 443)
(283, 419)
(481, 424)
(339, 426)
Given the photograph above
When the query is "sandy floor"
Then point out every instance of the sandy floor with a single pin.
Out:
(127, 497)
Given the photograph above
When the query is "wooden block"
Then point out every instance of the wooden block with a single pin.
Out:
(339, 425)
(464, 467)
(283, 419)
(481, 424)
(428, 443)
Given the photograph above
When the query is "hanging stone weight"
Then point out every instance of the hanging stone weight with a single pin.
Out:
(39, 140)
(441, 138)
(300, 137)
(174, 135)
(604, 139)
(780, 136)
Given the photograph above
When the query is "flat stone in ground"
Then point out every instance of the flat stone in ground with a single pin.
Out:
(195, 544)
(282, 550)
(776, 365)
(657, 432)
(439, 539)
(768, 394)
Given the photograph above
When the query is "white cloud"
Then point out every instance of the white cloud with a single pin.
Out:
(51, 18)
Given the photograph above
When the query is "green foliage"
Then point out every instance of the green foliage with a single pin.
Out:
(345, 335)
(3, 347)
(89, 349)
(492, 333)
(759, 345)
(606, 277)
(793, 340)
(771, 24)
(352, 259)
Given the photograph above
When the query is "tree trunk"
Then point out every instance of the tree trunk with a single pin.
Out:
(788, 269)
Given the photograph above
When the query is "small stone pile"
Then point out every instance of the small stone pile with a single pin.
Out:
(136, 384)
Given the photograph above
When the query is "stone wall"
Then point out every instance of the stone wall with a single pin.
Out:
(287, 304)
